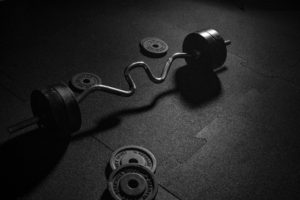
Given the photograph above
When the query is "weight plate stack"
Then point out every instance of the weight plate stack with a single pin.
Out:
(207, 47)
(153, 47)
(133, 155)
(132, 181)
(85, 80)
(57, 109)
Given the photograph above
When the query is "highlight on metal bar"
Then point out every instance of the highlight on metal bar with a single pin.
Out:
(227, 42)
(23, 124)
(129, 80)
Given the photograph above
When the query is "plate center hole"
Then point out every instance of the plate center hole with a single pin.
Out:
(86, 80)
(155, 45)
(133, 183)
(133, 160)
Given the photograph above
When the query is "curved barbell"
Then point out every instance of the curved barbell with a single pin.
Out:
(57, 108)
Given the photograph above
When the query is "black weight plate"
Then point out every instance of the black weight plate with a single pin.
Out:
(220, 47)
(73, 113)
(209, 44)
(57, 109)
(153, 47)
(133, 155)
(49, 107)
(85, 80)
(214, 51)
(132, 181)
(195, 42)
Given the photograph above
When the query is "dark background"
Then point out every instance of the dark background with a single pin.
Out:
(231, 135)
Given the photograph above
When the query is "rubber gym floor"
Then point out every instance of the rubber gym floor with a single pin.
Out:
(227, 135)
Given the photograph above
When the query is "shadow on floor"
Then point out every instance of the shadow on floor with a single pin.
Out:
(27, 159)
(195, 86)
(106, 195)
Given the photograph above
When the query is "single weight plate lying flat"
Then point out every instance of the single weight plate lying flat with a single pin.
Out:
(133, 155)
(85, 80)
(153, 47)
(132, 181)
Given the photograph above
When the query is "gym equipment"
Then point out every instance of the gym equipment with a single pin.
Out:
(133, 155)
(57, 108)
(83, 81)
(153, 47)
(205, 47)
(132, 181)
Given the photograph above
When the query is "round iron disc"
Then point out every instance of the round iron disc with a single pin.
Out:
(153, 47)
(85, 80)
(132, 181)
(133, 155)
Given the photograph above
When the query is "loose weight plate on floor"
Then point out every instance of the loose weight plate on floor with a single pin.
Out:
(85, 80)
(132, 181)
(153, 47)
(133, 155)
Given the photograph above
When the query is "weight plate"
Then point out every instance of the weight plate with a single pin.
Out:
(83, 81)
(57, 109)
(153, 47)
(48, 106)
(209, 44)
(133, 155)
(132, 181)
(220, 47)
(73, 113)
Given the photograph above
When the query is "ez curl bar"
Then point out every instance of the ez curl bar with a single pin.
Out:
(57, 108)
